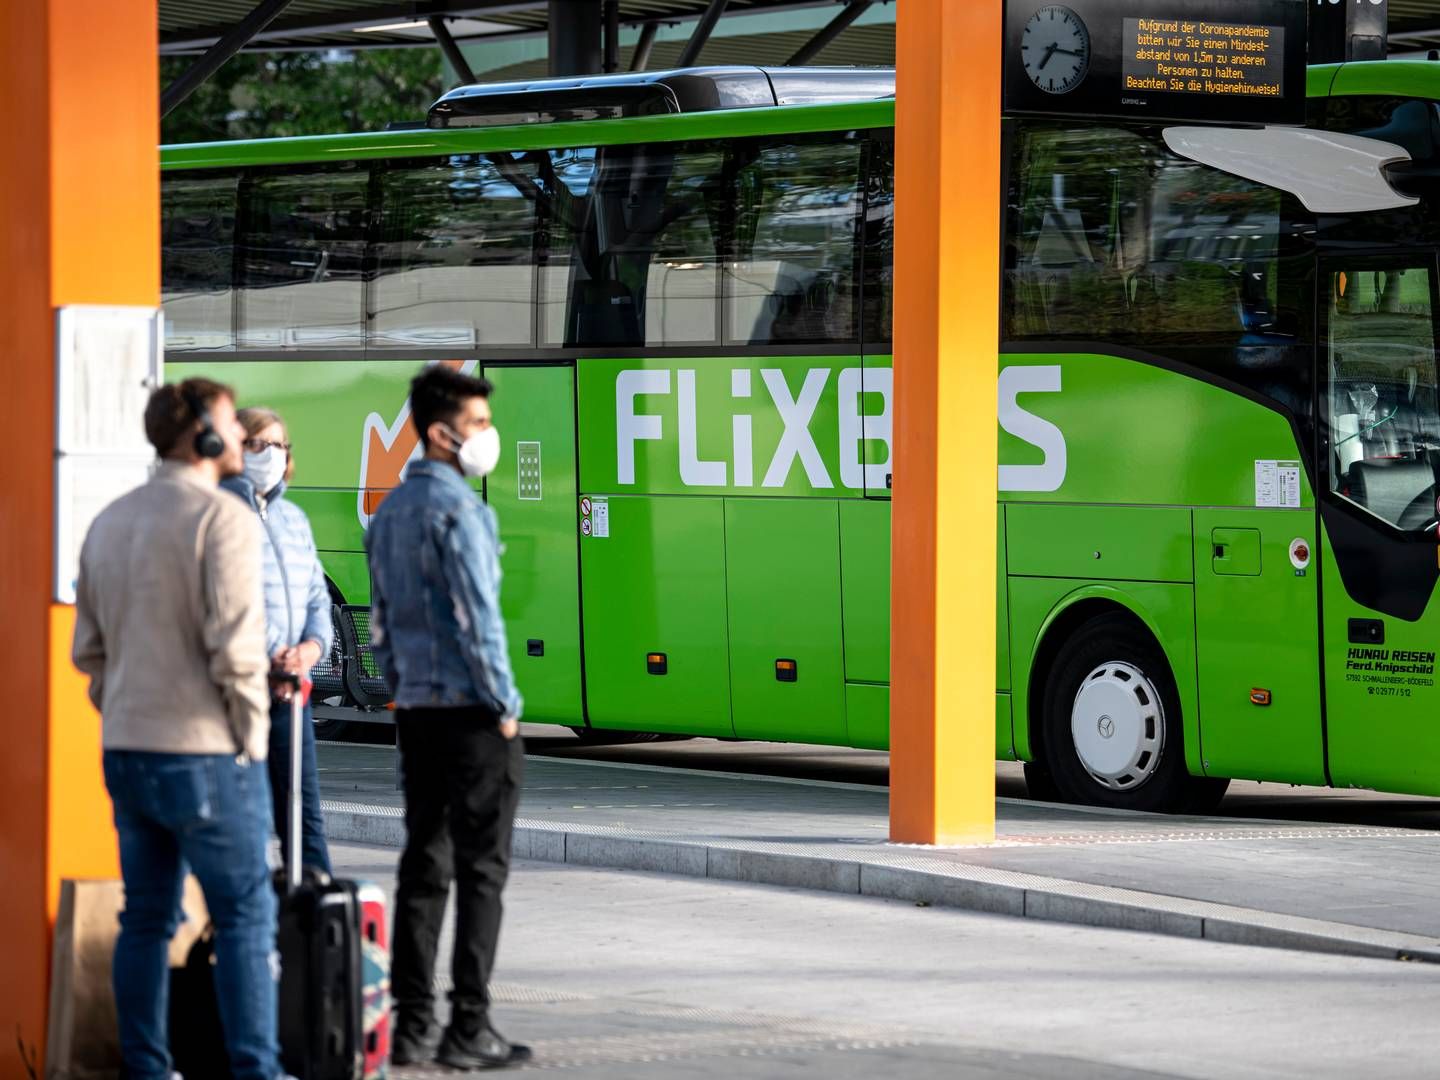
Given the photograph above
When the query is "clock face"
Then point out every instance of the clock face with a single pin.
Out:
(1055, 49)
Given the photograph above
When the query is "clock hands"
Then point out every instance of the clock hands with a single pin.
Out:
(1051, 50)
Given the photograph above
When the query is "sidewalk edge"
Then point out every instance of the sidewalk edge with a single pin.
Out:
(959, 886)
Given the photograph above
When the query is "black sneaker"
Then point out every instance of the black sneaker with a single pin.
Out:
(414, 1047)
(485, 1049)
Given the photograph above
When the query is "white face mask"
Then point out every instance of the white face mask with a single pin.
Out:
(480, 453)
(266, 469)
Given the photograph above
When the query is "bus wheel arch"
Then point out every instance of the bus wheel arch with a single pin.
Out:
(1098, 656)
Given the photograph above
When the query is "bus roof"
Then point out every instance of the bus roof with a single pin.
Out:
(1419, 79)
(1397, 78)
(422, 142)
(656, 93)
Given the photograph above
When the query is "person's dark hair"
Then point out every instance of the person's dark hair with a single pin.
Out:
(437, 393)
(169, 417)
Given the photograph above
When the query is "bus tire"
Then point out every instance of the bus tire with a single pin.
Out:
(330, 730)
(1113, 732)
(603, 737)
(1040, 784)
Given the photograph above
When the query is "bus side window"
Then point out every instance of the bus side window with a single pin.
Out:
(794, 278)
(1114, 237)
(455, 259)
(197, 256)
(879, 298)
(631, 250)
(302, 258)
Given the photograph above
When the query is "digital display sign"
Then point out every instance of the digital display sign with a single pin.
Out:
(1241, 61)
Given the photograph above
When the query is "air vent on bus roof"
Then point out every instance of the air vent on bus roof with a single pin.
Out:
(653, 93)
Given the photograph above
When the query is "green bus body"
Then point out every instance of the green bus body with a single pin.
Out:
(1170, 370)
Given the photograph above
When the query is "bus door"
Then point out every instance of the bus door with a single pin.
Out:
(534, 493)
(867, 411)
(1379, 452)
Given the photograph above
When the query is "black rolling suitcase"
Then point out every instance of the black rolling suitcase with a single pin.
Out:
(334, 982)
(334, 1005)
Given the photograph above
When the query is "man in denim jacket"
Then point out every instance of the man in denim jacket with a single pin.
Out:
(440, 642)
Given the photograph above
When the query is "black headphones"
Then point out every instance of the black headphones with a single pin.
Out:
(208, 443)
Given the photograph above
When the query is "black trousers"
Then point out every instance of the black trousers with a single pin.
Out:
(462, 784)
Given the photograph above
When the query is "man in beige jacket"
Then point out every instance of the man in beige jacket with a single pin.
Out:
(170, 628)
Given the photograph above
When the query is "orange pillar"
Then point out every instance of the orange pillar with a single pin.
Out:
(947, 303)
(79, 223)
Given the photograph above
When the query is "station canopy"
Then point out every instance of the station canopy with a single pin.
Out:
(194, 26)
(1414, 25)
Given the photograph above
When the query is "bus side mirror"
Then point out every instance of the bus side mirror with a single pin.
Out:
(1418, 179)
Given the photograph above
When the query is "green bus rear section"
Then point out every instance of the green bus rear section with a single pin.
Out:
(1156, 517)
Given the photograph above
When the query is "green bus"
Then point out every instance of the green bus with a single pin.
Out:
(1219, 430)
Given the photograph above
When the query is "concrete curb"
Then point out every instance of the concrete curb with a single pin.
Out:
(898, 874)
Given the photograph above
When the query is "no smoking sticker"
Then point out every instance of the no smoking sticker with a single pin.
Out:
(594, 517)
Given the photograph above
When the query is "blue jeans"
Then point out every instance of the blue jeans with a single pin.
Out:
(313, 850)
(211, 813)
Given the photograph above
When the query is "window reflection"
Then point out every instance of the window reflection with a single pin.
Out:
(197, 253)
(661, 245)
(455, 255)
(632, 253)
(303, 260)
(1116, 237)
(1381, 397)
(879, 242)
(794, 276)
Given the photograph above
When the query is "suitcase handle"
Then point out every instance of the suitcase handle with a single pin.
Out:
(292, 803)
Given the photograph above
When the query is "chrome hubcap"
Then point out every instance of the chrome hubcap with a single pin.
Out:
(1118, 726)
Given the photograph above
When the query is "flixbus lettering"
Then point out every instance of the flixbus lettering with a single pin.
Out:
(793, 402)
(791, 427)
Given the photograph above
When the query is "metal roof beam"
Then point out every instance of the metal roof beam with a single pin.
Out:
(239, 35)
(703, 29)
(338, 24)
(641, 58)
(611, 63)
(452, 51)
(829, 32)
(575, 32)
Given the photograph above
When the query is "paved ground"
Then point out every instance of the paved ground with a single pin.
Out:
(1351, 806)
(625, 975)
(1380, 878)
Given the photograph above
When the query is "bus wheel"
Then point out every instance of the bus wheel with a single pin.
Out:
(330, 729)
(603, 737)
(1113, 732)
(1039, 784)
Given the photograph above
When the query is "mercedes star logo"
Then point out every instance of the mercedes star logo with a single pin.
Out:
(1106, 726)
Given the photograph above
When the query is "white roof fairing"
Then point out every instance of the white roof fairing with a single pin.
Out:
(1328, 171)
